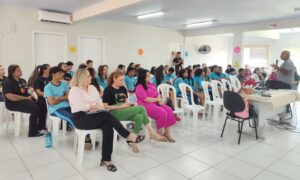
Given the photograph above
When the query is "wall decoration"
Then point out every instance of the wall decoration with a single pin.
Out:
(237, 50)
(140, 51)
(236, 65)
(205, 49)
(186, 53)
(72, 49)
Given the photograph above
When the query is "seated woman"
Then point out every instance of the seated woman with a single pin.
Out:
(180, 79)
(39, 85)
(89, 113)
(17, 98)
(56, 93)
(148, 97)
(115, 99)
(189, 80)
(94, 80)
(130, 79)
(198, 78)
(257, 75)
(2, 77)
(102, 76)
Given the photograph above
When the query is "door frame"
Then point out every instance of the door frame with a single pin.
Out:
(65, 35)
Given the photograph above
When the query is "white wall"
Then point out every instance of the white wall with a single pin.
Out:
(122, 39)
(221, 53)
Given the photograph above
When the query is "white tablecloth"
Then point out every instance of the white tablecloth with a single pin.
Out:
(278, 98)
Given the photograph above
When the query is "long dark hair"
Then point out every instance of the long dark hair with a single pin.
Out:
(198, 72)
(152, 70)
(181, 73)
(34, 75)
(42, 69)
(100, 72)
(12, 69)
(93, 81)
(142, 78)
(159, 75)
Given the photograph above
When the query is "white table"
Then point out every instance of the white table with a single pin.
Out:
(267, 107)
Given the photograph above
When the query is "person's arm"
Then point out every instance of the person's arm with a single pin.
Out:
(282, 70)
(142, 96)
(116, 107)
(14, 97)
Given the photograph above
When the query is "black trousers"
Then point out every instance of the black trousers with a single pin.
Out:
(106, 122)
(43, 113)
(35, 112)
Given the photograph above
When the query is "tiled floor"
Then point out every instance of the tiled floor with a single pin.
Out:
(199, 154)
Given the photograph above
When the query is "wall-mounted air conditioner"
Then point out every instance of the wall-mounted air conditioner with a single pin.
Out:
(54, 17)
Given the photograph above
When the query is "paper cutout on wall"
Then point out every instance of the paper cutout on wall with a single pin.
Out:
(237, 50)
(140, 51)
(186, 53)
(72, 49)
(236, 65)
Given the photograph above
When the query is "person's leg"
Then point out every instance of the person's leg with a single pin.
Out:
(43, 114)
(170, 122)
(31, 108)
(65, 114)
(159, 115)
(132, 114)
(107, 142)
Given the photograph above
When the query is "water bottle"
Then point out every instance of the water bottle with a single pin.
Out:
(48, 140)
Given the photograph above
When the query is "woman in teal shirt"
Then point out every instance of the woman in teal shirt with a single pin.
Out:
(102, 76)
(198, 78)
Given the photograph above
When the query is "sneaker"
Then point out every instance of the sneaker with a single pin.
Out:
(37, 135)
(88, 146)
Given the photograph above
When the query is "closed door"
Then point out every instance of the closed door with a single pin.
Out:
(91, 48)
(49, 48)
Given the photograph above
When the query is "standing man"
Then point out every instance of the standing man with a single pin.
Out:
(178, 62)
(286, 72)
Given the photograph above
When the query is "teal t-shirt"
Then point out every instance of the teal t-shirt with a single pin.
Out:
(198, 82)
(102, 83)
(214, 76)
(52, 90)
(190, 82)
(169, 77)
(176, 85)
(130, 82)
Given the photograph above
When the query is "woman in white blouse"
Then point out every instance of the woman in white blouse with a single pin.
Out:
(89, 113)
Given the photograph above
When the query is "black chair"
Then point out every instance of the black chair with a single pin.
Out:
(233, 102)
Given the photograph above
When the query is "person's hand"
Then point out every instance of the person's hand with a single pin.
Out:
(274, 66)
(125, 105)
(29, 98)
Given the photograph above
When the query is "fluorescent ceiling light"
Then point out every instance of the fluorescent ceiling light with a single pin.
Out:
(155, 14)
(202, 23)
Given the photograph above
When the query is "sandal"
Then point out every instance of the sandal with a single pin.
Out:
(110, 167)
(134, 148)
(170, 139)
(139, 139)
(158, 138)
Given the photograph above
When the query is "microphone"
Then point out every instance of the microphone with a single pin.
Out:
(277, 62)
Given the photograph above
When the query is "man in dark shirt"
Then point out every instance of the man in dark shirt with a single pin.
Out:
(17, 98)
(178, 62)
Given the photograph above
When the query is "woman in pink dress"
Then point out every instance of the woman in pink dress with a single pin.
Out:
(148, 97)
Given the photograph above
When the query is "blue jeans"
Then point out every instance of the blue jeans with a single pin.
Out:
(64, 114)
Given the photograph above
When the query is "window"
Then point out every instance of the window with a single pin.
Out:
(256, 56)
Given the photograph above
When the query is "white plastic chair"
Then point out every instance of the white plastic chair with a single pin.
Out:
(55, 125)
(226, 85)
(194, 108)
(164, 90)
(79, 142)
(216, 101)
(17, 118)
(218, 90)
(236, 84)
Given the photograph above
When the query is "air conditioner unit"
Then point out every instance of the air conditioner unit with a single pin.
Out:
(54, 17)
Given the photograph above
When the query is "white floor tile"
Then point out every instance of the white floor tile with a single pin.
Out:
(76, 177)
(296, 148)
(163, 154)
(292, 157)
(19, 176)
(208, 156)
(183, 146)
(267, 175)
(7, 151)
(102, 172)
(255, 158)
(10, 167)
(187, 166)
(215, 174)
(268, 150)
(239, 169)
(285, 144)
(160, 173)
(54, 171)
(286, 169)
(137, 163)
(39, 159)
(203, 140)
